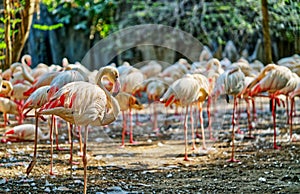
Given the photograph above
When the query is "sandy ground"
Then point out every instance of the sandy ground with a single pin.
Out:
(154, 164)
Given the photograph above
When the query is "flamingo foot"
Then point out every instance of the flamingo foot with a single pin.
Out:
(60, 149)
(138, 123)
(133, 142)
(239, 131)
(187, 159)
(80, 154)
(122, 146)
(52, 173)
(233, 160)
(194, 147)
(277, 147)
(30, 167)
(73, 162)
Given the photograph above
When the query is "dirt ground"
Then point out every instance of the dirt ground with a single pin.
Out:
(154, 164)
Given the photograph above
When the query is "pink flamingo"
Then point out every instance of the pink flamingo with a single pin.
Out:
(24, 132)
(8, 106)
(185, 92)
(127, 102)
(83, 103)
(272, 79)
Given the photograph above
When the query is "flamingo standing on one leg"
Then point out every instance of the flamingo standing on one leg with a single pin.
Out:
(231, 82)
(83, 103)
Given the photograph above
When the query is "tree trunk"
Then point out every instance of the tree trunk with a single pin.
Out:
(266, 33)
(8, 51)
(24, 29)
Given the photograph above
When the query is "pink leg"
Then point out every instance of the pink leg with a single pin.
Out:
(274, 120)
(155, 128)
(33, 161)
(51, 141)
(291, 118)
(209, 118)
(55, 125)
(202, 127)
(249, 119)
(192, 126)
(238, 117)
(124, 129)
(84, 158)
(71, 148)
(137, 122)
(232, 159)
(185, 134)
(254, 114)
(287, 109)
(131, 128)
(80, 141)
(198, 135)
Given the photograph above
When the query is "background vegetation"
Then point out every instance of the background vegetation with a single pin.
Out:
(62, 28)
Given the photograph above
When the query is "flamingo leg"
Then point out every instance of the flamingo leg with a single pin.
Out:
(287, 109)
(84, 158)
(155, 128)
(185, 134)
(291, 118)
(131, 127)
(274, 120)
(232, 159)
(80, 140)
(56, 134)
(124, 129)
(51, 141)
(209, 118)
(202, 128)
(250, 127)
(192, 126)
(238, 117)
(254, 114)
(33, 161)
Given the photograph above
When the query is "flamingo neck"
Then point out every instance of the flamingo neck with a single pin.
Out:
(112, 114)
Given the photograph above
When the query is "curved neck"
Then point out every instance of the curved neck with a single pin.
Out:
(25, 73)
(112, 103)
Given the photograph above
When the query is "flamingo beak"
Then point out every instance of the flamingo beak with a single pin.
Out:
(116, 88)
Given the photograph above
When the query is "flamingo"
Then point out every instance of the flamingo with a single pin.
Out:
(127, 102)
(272, 79)
(231, 82)
(24, 132)
(155, 87)
(184, 92)
(8, 106)
(43, 80)
(151, 69)
(83, 103)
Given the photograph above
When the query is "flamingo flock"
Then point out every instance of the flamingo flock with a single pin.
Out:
(87, 98)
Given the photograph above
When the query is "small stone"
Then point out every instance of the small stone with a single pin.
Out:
(48, 190)
(262, 179)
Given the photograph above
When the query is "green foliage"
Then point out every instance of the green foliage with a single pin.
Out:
(92, 16)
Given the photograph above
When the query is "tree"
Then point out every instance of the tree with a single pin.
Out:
(17, 19)
(266, 32)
